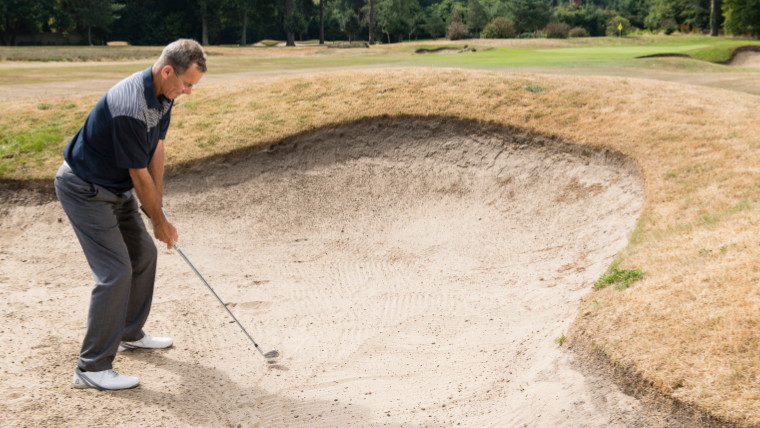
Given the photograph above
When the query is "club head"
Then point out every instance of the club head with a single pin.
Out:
(271, 355)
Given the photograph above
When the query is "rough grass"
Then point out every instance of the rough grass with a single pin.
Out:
(78, 53)
(690, 326)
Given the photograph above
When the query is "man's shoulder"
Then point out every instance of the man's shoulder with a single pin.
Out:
(127, 98)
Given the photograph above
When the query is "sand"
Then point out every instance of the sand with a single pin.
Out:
(412, 273)
(746, 59)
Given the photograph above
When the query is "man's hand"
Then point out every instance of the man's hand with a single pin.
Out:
(164, 231)
(149, 197)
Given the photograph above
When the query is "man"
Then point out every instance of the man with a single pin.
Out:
(121, 148)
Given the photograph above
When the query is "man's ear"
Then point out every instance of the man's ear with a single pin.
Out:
(166, 71)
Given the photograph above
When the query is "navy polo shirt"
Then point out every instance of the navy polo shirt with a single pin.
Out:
(121, 133)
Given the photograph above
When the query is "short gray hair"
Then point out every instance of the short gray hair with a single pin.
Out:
(182, 54)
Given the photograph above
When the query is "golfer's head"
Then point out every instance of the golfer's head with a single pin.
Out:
(182, 64)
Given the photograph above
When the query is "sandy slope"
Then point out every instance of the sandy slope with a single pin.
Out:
(413, 273)
(746, 59)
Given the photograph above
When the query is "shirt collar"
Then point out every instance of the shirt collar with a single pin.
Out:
(150, 91)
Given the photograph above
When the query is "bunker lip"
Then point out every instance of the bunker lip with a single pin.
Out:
(366, 251)
(745, 57)
(593, 362)
(423, 51)
(665, 55)
(741, 57)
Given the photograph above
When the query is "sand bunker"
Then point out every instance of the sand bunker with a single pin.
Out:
(745, 59)
(412, 272)
(438, 51)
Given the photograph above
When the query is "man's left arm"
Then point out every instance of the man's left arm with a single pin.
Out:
(156, 171)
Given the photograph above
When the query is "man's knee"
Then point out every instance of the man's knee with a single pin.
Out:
(148, 253)
(116, 273)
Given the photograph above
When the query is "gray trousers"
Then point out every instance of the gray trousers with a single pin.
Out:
(122, 256)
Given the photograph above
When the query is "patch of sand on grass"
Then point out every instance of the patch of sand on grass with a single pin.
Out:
(408, 270)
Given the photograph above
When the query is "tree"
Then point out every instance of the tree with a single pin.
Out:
(496, 8)
(587, 17)
(350, 23)
(693, 12)
(371, 22)
(367, 15)
(529, 15)
(435, 26)
(297, 22)
(714, 18)
(31, 16)
(394, 16)
(499, 28)
(477, 17)
(741, 17)
(93, 13)
(321, 22)
(456, 14)
(416, 23)
(245, 6)
(206, 10)
(635, 11)
(289, 24)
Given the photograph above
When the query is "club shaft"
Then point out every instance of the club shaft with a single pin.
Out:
(176, 247)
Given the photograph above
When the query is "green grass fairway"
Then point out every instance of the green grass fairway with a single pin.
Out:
(33, 70)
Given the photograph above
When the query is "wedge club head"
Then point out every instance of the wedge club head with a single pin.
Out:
(271, 356)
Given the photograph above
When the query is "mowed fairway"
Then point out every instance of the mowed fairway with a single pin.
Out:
(40, 72)
(413, 240)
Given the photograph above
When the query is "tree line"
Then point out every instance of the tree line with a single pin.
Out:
(158, 22)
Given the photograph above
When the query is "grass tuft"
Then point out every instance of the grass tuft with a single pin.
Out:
(44, 106)
(560, 340)
(535, 88)
(622, 278)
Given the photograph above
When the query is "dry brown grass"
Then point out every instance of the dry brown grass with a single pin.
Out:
(691, 327)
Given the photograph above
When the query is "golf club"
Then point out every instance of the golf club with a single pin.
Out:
(270, 355)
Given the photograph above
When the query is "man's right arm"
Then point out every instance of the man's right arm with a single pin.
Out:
(146, 191)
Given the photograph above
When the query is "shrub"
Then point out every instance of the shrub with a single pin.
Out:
(457, 31)
(669, 26)
(557, 30)
(578, 32)
(614, 22)
(686, 29)
(526, 35)
(499, 28)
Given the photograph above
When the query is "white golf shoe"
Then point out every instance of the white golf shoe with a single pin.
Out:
(107, 380)
(147, 342)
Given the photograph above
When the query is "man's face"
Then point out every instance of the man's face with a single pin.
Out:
(178, 84)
